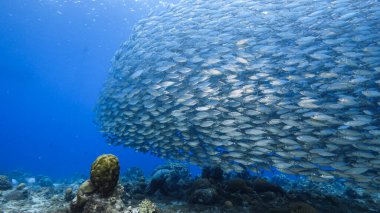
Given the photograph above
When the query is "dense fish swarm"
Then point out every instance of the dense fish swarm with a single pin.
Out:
(293, 84)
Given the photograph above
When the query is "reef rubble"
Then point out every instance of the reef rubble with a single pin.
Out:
(172, 189)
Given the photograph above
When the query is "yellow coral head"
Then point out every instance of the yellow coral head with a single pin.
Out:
(105, 172)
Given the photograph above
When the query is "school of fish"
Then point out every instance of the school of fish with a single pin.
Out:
(289, 84)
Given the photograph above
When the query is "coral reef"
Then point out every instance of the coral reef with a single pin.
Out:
(206, 196)
(105, 172)
(334, 188)
(147, 206)
(110, 204)
(234, 193)
(135, 190)
(5, 184)
(202, 192)
(134, 184)
(170, 180)
(101, 193)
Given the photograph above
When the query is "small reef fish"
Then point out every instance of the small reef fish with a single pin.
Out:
(290, 84)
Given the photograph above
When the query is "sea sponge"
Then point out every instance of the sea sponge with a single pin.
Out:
(105, 172)
(147, 206)
(301, 207)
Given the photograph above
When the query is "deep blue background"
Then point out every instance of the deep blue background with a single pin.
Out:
(54, 58)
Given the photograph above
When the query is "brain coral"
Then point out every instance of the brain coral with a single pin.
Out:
(105, 172)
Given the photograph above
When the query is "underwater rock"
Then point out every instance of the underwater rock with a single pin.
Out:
(260, 185)
(135, 190)
(214, 173)
(69, 194)
(134, 184)
(206, 196)
(201, 183)
(237, 185)
(47, 192)
(5, 183)
(88, 200)
(147, 206)
(59, 210)
(203, 195)
(87, 187)
(239, 191)
(105, 172)
(300, 207)
(337, 204)
(202, 192)
(21, 186)
(110, 204)
(228, 204)
(16, 195)
(84, 192)
(268, 196)
(170, 180)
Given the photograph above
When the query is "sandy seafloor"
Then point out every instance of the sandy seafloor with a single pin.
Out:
(171, 188)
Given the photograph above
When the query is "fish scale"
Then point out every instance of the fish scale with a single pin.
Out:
(295, 77)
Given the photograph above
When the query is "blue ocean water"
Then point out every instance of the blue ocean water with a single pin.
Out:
(54, 59)
(312, 98)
